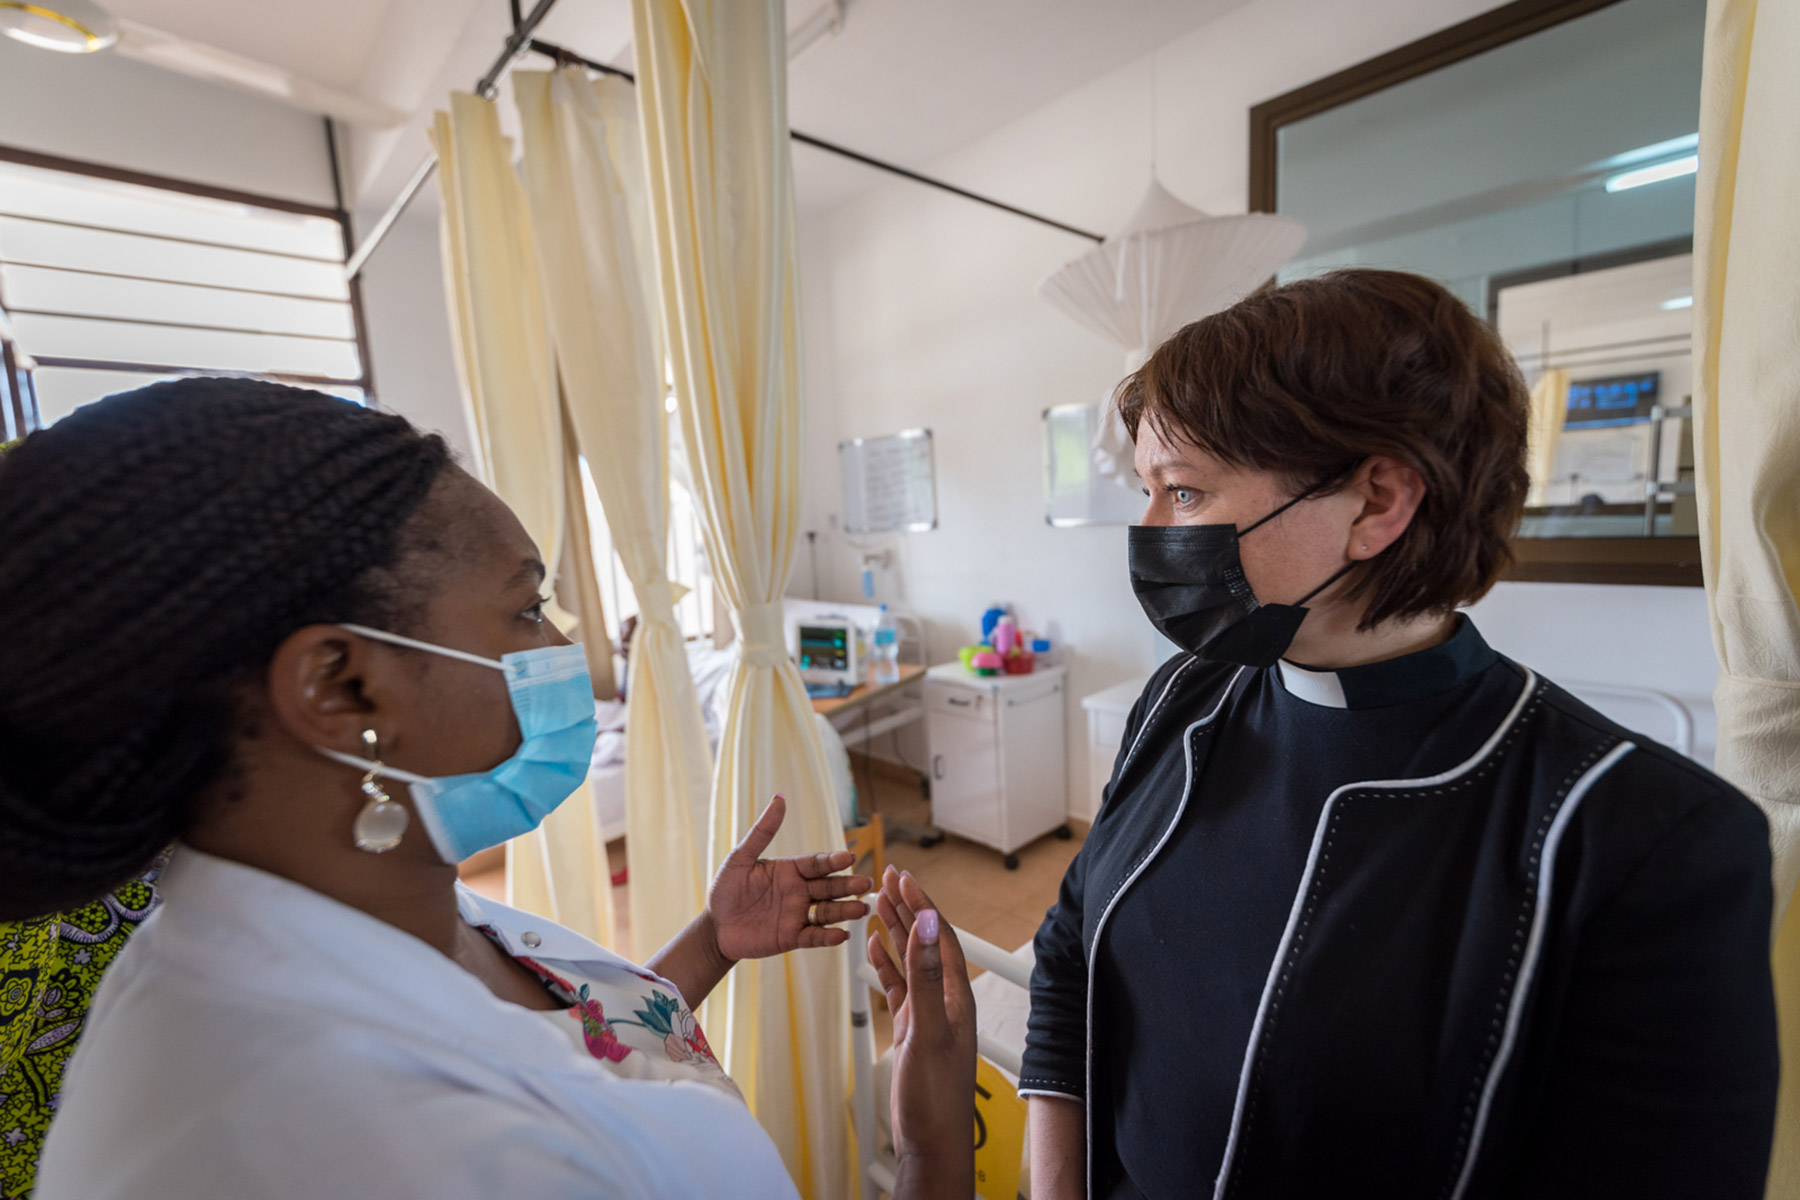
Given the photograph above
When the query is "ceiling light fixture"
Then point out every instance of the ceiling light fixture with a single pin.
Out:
(1678, 302)
(66, 26)
(1674, 169)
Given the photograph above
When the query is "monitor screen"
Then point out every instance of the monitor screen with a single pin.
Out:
(1616, 400)
(824, 648)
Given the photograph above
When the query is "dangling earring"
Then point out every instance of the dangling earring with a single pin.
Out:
(383, 820)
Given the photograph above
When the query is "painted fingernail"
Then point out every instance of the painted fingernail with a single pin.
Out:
(928, 926)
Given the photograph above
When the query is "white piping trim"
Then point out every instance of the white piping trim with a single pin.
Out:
(1187, 789)
(1049, 1093)
(1293, 921)
(1151, 715)
(1533, 948)
(382, 635)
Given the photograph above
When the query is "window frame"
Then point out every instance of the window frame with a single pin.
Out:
(20, 414)
(1666, 560)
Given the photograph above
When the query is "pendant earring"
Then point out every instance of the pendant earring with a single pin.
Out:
(383, 820)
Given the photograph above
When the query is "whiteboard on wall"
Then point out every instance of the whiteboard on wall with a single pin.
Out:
(890, 484)
(1075, 492)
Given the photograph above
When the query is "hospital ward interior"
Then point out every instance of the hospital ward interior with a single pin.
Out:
(899, 598)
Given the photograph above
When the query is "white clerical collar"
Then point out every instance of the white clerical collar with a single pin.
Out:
(1411, 677)
(1323, 688)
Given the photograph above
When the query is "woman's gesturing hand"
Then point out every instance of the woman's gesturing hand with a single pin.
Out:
(928, 993)
(765, 906)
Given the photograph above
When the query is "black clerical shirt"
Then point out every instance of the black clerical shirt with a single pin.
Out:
(1428, 928)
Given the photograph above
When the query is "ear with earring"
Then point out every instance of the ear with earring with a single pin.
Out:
(383, 820)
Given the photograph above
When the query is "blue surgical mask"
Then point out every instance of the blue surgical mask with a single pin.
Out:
(553, 700)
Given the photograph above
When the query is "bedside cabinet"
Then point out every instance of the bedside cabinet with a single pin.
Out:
(998, 773)
(1107, 714)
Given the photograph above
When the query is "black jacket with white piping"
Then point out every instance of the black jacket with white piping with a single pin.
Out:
(1541, 973)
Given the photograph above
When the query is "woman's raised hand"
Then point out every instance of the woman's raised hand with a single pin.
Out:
(933, 1102)
(766, 906)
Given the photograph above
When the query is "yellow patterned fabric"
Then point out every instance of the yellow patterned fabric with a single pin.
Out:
(50, 968)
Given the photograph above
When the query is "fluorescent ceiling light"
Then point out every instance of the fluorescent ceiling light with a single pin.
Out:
(1681, 145)
(66, 26)
(1673, 169)
(1678, 302)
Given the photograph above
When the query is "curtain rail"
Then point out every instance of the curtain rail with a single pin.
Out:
(521, 41)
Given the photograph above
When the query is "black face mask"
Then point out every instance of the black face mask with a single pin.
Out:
(1191, 583)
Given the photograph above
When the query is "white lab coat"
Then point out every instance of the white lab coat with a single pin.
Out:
(259, 1040)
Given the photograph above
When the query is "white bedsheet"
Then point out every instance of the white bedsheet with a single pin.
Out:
(710, 668)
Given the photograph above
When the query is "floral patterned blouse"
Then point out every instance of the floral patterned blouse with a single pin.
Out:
(634, 1023)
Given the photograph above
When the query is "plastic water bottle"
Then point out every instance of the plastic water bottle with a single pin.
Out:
(884, 654)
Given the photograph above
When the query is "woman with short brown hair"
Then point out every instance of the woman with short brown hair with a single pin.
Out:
(1371, 909)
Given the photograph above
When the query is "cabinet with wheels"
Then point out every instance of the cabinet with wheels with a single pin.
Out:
(997, 762)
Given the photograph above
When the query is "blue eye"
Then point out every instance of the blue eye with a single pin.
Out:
(1183, 497)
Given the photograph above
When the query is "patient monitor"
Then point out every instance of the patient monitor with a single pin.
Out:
(825, 649)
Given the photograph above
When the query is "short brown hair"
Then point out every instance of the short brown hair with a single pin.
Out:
(1312, 378)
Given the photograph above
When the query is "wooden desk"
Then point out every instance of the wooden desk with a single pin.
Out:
(864, 693)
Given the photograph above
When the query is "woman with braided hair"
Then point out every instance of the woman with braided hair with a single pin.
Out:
(290, 637)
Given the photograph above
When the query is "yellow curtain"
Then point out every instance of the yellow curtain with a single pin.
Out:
(1549, 407)
(1747, 438)
(712, 86)
(584, 176)
(503, 358)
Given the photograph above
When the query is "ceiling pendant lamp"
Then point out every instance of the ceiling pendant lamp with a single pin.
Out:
(1169, 265)
(66, 26)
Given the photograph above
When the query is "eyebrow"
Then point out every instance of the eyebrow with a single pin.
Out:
(530, 571)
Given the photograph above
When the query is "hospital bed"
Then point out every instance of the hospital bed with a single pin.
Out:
(1002, 1003)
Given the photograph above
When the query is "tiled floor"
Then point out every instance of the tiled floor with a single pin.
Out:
(968, 882)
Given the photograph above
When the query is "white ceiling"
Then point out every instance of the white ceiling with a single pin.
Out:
(912, 80)
(326, 40)
(904, 80)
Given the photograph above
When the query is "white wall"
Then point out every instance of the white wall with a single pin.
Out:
(107, 109)
(920, 309)
(409, 330)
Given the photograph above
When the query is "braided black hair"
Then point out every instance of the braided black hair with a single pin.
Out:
(155, 549)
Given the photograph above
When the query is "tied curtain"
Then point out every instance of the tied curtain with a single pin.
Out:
(1747, 434)
(1549, 408)
(713, 93)
(583, 170)
(509, 379)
